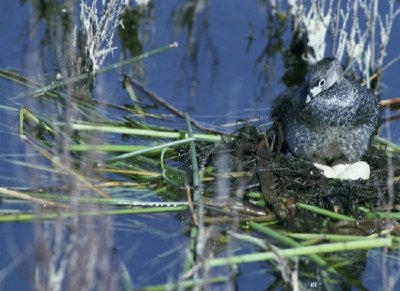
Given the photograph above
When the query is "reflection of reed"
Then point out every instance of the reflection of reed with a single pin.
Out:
(99, 28)
(353, 30)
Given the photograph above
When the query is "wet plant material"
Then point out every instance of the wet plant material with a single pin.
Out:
(296, 180)
(289, 185)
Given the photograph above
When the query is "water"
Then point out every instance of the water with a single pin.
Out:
(216, 75)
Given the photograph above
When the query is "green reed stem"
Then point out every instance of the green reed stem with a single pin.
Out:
(21, 217)
(112, 67)
(142, 132)
(301, 251)
(289, 242)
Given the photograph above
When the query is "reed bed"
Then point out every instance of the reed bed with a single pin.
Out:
(305, 216)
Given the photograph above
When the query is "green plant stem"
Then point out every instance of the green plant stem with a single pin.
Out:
(324, 212)
(20, 217)
(112, 67)
(194, 232)
(312, 208)
(391, 147)
(327, 236)
(119, 201)
(63, 167)
(301, 251)
(143, 132)
(195, 169)
(132, 95)
(289, 242)
(84, 147)
(381, 214)
(151, 149)
(23, 196)
(18, 79)
(9, 108)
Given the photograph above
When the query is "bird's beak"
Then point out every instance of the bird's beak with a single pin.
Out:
(312, 93)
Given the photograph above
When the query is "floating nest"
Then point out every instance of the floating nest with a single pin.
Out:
(284, 181)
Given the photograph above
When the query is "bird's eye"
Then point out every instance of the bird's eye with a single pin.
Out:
(321, 82)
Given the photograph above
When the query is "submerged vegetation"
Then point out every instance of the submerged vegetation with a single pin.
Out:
(240, 201)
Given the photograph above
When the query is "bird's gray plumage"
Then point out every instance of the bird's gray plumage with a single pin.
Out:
(329, 117)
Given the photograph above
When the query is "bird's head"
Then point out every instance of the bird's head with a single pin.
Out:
(323, 75)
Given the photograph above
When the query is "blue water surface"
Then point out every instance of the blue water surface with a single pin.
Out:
(214, 75)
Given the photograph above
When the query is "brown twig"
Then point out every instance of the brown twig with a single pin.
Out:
(191, 207)
(173, 109)
(59, 164)
(224, 219)
(390, 119)
(230, 208)
(23, 196)
(393, 103)
(265, 176)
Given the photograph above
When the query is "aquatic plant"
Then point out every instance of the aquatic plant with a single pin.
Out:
(230, 191)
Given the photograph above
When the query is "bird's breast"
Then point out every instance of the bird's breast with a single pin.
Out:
(336, 106)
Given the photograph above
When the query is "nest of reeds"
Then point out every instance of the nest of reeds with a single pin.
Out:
(284, 181)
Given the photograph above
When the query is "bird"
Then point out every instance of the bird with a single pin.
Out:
(330, 119)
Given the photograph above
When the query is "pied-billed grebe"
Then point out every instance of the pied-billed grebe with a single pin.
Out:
(330, 118)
